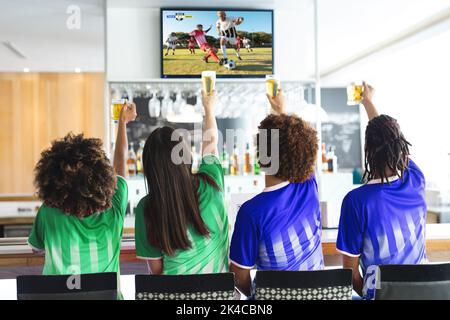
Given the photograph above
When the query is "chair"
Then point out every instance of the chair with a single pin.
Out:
(214, 286)
(94, 286)
(413, 282)
(304, 285)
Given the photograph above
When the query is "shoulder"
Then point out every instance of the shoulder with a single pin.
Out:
(363, 194)
(141, 204)
(255, 206)
(47, 212)
(121, 183)
(414, 168)
(212, 166)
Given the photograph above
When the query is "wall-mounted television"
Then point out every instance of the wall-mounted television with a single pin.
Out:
(233, 42)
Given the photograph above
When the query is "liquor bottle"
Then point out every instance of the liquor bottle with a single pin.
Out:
(324, 158)
(234, 161)
(247, 169)
(195, 160)
(256, 167)
(225, 161)
(131, 161)
(332, 160)
(139, 163)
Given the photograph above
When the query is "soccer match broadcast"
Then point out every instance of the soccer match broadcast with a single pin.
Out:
(233, 43)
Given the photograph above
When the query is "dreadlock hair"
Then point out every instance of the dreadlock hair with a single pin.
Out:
(385, 148)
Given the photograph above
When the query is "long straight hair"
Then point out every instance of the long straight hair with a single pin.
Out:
(173, 201)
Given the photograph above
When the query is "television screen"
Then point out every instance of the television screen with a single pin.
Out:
(234, 43)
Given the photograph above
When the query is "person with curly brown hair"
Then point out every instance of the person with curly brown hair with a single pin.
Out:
(280, 228)
(79, 225)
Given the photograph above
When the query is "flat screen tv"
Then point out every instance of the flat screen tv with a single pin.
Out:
(233, 42)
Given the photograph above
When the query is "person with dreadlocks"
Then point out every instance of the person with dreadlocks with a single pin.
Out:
(383, 221)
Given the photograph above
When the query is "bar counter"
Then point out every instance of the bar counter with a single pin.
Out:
(16, 252)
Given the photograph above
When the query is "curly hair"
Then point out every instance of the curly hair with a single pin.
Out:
(75, 176)
(385, 148)
(298, 146)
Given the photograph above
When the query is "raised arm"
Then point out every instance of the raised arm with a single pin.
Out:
(210, 135)
(368, 93)
(127, 114)
(278, 103)
(207, 30)
(238, 21)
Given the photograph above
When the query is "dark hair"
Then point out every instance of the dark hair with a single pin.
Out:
(75, 176)
(385, 149)
(298, 145)
(173, 201)
(199, 25)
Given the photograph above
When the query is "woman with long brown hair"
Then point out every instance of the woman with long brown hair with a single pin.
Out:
(182, 225)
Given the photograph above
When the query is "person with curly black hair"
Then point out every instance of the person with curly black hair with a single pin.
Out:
(79, 225)
(383, 221)
(280, 228)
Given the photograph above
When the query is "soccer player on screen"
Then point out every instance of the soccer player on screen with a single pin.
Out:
(171, 43)
(203, 44)
(226, 28)
(246, 43)
(238, 44)
(191, 45)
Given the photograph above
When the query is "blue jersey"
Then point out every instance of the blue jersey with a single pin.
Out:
(279, 229)
(385, 223)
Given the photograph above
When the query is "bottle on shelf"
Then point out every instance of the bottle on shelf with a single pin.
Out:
(139, 163)
(234, 161)
(256, 167)
(332, 160)
(131, 161)
(225, 160)
(324, 158)
(195, 160)
(247, 168)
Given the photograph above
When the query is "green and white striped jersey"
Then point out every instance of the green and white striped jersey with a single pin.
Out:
(77, 246)
(208, 254)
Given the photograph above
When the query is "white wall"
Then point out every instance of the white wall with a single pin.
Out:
(133, 43)
(412, 85)
(133, 36)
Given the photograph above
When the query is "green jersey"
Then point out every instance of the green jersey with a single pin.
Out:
(208, 254)
(77, 246)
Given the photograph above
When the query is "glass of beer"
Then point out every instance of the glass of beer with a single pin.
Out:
(116, 108)
(272, 85)
(209, 81)
(355, 93)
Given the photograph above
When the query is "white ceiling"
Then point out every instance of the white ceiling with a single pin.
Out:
(348, 27)
(38, 27)
(266, 4)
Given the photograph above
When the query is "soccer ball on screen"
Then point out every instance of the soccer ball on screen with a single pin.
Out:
(230, 65)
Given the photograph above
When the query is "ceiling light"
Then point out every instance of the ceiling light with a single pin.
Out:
(14, 49)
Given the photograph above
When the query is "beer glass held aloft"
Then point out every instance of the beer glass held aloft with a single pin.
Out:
(209, 81)
(355, 93)
(116, 107)
(272, 85)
